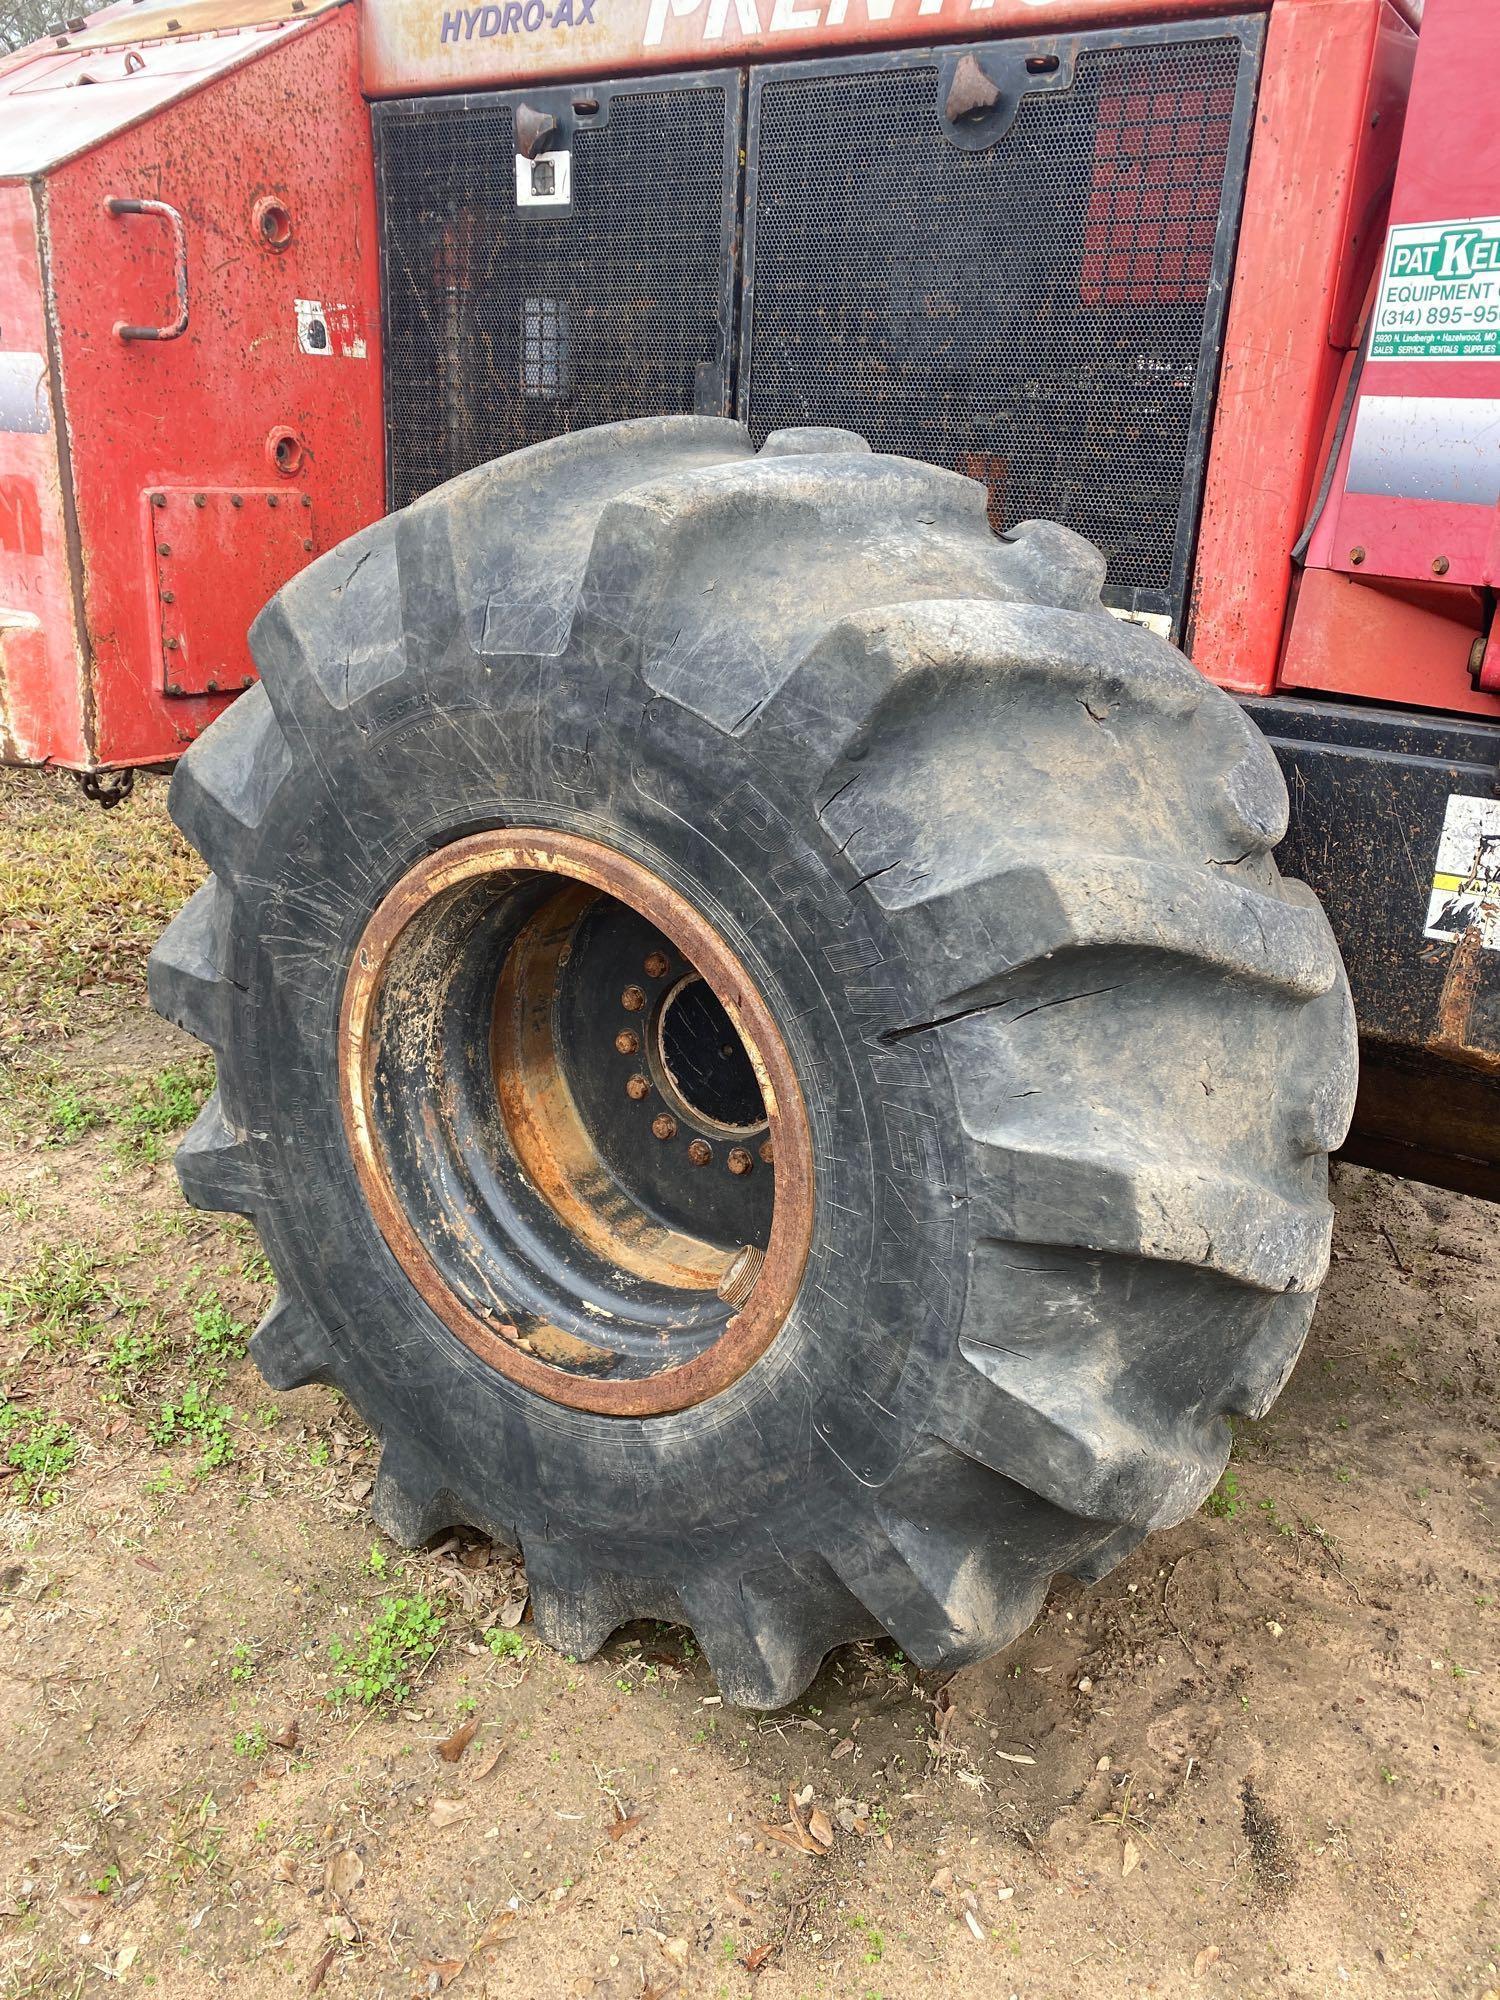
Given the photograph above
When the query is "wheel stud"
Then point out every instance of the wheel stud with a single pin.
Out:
(700, 1152)
(637, 1087)
(627, 1043)
(633, 999)
(740, 1160)
(657, 965)
(768, 1150)
(664, 1125)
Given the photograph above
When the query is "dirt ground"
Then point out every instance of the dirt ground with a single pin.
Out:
(1260, 1758)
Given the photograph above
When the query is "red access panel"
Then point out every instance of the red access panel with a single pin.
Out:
(210, 248)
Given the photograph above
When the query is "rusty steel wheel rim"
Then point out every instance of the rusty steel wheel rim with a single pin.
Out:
(566, 1206)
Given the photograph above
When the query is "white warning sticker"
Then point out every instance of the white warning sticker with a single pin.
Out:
(329, 329)
(1466, 874)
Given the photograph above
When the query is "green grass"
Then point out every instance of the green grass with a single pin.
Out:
(162, 1107)
(85, 898)
(196, 1419)
(132, 1350)
(505, 1645)
(398, 1645)
(216, 1332)
(1224, 1503)
(40, 1448)
(68, 1116)
(59, 1297)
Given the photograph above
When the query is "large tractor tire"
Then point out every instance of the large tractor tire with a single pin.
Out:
(763, 1039)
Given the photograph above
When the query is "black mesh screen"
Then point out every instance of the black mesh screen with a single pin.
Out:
(502, 328)
(1033, 314)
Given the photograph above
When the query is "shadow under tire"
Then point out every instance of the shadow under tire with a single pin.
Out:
(763, 1038)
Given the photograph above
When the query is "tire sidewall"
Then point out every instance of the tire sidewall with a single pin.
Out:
(584, 747)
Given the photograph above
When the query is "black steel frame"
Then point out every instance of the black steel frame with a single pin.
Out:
(1249, 31)
(568, 103)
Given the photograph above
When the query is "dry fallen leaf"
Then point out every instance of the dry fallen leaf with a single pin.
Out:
(440, 1972)
(676, 1949)
(345, 1873)
(82, 1906)
(284, 1867)
(841, 1749)
(820, 1826)
(286, 1737)
(1207, 1957)
(511, 1614)
(756, 1957)
(1010, 1757)
(941, 1883)
(125, 1957)
(447, 1812)
(320, 1971)
(453, 1747)
(621, 1825)
(496, 1751)
(496, 1930)
(1130, 1857)
(805, 1840)
(974, 1925)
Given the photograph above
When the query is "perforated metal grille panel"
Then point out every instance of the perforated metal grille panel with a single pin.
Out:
(505, 326)
(1043, 315)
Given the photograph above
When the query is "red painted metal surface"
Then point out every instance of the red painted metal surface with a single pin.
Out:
(218, 553)
(1328, 125)
(273, 387)
(423, 45)
(1410, 644)
(41, 673)
(1413, 498)
(240, 399)
(67, 93)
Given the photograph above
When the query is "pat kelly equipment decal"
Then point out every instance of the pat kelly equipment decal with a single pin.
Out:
(1466, 875)
(1439, 293)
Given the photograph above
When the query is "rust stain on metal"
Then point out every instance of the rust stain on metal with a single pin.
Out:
(740, 1279)
(550, 1139)
(1456, 1001)
(551, 1142)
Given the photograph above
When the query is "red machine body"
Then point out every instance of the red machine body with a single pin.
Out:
(1394, 602)
(114, 654)
(159, 480)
